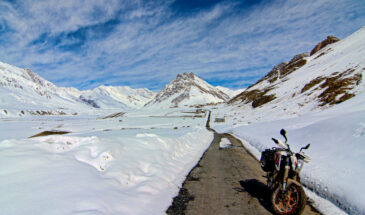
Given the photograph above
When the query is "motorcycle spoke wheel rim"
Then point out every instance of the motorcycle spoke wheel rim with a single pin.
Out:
(287, 203)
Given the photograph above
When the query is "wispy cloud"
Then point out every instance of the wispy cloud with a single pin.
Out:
(145, 43)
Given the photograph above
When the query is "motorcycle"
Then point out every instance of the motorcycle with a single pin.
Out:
(283, 169)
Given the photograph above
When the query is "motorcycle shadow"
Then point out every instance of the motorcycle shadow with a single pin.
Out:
(258, 190)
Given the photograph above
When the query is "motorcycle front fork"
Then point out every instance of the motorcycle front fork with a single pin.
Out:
(286, 175)
(272, 177)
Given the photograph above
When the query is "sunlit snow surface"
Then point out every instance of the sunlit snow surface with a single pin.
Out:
(128, 165)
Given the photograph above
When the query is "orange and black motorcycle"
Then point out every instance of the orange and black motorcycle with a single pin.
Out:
(283, 168)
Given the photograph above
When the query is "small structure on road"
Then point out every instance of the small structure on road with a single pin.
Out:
(219, 119)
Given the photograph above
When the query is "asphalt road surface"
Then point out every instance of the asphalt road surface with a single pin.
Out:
(225, 181)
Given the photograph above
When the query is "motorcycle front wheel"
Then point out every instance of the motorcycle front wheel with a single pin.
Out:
(291, 201)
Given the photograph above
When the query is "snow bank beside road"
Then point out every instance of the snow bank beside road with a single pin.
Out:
(118, 174)
(337, 151)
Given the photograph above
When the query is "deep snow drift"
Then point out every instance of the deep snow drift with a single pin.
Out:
(129, 165)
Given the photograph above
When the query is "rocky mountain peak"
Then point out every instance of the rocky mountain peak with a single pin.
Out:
(185, 79)
(185, 76)
(283, 69)
(324, 43)
(188, 89)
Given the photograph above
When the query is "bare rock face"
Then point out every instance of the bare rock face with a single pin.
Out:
(283, 69)
(335, 88)
(324, 43)
(256, 97)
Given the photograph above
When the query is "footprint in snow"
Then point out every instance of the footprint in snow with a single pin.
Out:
(359, 132)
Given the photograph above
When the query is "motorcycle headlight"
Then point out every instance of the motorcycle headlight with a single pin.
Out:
(300, 165)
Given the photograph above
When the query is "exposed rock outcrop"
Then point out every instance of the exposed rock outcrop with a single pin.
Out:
(324, 81)
(284, 69)
(257, 97)
(324, 43)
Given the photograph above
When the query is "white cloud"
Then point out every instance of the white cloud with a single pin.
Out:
(152, 45)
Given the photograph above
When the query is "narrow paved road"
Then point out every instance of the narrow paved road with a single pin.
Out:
(225, 181)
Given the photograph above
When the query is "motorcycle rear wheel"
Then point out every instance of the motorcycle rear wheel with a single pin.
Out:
(290, 202)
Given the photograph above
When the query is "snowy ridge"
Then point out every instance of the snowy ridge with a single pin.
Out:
(23, 92)
(229, 92)
(112, 97)
(25, 79)
(133, 98)
(332, 75)
(12, 76)
(187, 90)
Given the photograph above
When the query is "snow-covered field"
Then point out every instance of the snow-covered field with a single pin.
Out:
(127, 165)
(337, 151)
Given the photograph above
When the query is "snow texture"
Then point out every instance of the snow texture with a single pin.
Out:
(103, 167)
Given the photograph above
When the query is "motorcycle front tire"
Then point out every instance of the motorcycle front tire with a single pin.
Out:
(290, 202)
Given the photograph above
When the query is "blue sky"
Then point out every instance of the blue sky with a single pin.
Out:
(87, 43)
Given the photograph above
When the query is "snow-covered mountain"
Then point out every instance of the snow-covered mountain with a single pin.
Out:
(229, 92)
(110, 97)
(331, 74)
(23, 92)
(187, 90)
